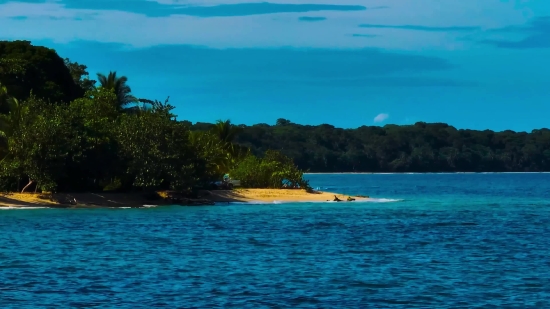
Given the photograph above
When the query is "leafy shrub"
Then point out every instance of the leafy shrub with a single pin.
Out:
(114, 185)
(274, 170)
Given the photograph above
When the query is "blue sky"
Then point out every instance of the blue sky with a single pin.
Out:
(470, 63)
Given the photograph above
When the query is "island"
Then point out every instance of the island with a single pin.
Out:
(69, 141)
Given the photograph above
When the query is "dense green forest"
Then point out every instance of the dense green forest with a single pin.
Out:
(422, 147)
(60, 130)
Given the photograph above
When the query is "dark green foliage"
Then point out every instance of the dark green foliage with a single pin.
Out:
(58, 132)
(96, 158)
(25, 68)
(421, 147)
(274, 170)
(113, 185)
(90, 145)
(156, 151)
(212, 158)
(80, 75)
(118, 84)
(226, 132)
(41, 144)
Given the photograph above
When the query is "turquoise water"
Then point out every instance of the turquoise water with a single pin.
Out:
(431, 241)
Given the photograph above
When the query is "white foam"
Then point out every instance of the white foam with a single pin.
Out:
(381, 200)
(369, 200)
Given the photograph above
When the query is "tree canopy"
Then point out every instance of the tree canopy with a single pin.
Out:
(25, 68)
(422, 147)
(60, 131)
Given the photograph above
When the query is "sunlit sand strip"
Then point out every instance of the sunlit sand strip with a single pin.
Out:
(278, 196)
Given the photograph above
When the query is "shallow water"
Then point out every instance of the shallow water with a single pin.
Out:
(452, 241)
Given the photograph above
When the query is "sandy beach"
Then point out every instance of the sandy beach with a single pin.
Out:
(273, 195)
(86, 200)
(94, 200)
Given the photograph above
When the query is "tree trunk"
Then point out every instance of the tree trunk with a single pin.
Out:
(25, 187)
(36, 187)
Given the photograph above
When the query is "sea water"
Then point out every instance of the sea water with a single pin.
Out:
(429, 241)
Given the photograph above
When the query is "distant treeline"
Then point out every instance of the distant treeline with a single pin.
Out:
(422, 147)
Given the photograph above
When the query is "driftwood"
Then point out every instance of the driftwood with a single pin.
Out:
(25, 187)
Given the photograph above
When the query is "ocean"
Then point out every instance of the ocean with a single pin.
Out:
(428, 241)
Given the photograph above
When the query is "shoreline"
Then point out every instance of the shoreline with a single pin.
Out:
(275, 195)
(138, 200)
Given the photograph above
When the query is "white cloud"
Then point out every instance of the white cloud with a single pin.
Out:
(381, 117)
(52, 20)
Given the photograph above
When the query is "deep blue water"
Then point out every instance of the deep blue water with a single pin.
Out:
(447, 241)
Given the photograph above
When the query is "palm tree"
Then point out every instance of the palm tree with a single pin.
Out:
(226, 131)
(119, 86)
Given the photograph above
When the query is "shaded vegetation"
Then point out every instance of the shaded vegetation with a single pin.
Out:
(62, 131)
(422, 147)
(25, 68)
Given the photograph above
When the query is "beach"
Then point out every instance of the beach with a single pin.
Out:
(273, 195)
(95, 200)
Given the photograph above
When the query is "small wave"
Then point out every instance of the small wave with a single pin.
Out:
(382, 200)
(370, 200)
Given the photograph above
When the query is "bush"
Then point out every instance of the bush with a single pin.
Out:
(114, 185)
(274, 170)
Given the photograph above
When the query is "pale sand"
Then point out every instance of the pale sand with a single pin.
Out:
(273, 195)
(87, 200)
(129, 199)
(23, 200)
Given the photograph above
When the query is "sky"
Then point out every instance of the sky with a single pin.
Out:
(469, 63)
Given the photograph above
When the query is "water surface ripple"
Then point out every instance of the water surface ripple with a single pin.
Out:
(410, 254)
